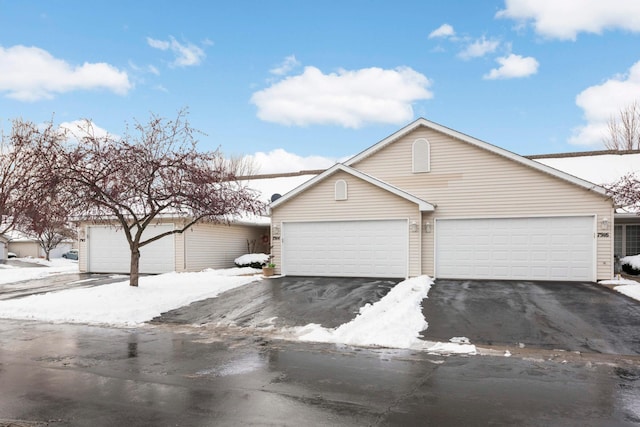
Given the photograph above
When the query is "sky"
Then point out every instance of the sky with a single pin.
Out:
(301, 85)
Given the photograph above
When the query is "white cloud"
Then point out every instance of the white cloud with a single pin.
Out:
(444, 30)
(564, 19)
(289, 63)
(346, 98)
(148, 69)
(479, 48)
(279, 160)
(31, 74)
(603, 101)
(186, 54)
(513, 66)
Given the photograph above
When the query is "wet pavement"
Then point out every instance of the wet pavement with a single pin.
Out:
(74, 375)
(57, 282)
(285, 301)
(575, 360)
(550, 315)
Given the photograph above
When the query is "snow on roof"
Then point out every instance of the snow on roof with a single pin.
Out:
(269, 185)
(600, 167)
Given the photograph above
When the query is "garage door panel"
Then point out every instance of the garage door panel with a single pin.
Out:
(553, 248)
(108, 251)
(346, 248)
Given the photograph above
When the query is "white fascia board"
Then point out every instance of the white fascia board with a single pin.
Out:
(422, 205)
(478, 143)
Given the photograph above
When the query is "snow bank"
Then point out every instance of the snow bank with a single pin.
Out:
(448, 347)
(119, 304)
(633, 261)
(251, 258)
(394, 321)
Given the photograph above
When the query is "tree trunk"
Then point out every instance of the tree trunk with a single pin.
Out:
(135, 265)
(47, 255)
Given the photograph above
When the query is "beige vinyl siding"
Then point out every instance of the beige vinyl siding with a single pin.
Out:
(218, 245)
(25, 249)
(364, 201)
(466, 181)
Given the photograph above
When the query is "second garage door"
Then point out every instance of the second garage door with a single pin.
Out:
(553, 248)
(345, 248)
(108, 251)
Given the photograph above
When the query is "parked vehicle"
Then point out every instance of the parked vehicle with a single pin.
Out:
(11, 255)
(72, 254)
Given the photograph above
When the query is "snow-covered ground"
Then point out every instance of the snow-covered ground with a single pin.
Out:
(119, 304)
(42, 268)
(630, 288)
(394, 321)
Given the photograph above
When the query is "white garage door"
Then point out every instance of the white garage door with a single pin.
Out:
(556, 248)
(345, 248)
(108, 251)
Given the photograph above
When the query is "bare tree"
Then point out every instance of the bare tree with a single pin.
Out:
(626, 192)
(47, 219)
(138, 180)
(20, 176)
(624, 130)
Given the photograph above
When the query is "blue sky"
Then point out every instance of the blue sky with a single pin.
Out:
(306, 83)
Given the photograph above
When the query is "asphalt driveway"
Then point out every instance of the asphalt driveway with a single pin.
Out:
(569, 316)
(285, 301)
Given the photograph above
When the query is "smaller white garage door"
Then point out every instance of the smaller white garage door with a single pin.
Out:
(345, 248)
(108, 251)
(553, 248)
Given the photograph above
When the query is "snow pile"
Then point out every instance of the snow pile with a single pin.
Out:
(632, 261)
(452, 347)
(249, 259)
(394, 321)
(41, 269)
(120, 304)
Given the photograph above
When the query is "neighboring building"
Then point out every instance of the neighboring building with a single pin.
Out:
(103, 247)
(431, 200)
(25, 246)
(603, 168)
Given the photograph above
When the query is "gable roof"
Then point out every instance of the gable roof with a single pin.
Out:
(421, 122)
(422, 205)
